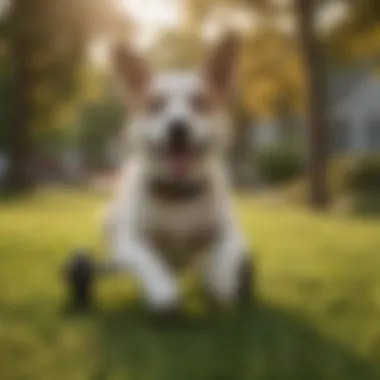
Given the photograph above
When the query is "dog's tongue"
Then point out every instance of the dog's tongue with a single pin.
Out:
(180, 163)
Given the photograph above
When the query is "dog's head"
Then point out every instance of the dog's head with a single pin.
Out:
(179, 119)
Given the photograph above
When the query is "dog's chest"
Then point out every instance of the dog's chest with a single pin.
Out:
(180, 230)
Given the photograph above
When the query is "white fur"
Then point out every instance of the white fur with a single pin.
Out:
(135, 210)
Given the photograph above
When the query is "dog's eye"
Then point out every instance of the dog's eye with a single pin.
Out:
(200, 103)
(155, 104)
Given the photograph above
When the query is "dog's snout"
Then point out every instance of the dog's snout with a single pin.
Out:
(179, 133)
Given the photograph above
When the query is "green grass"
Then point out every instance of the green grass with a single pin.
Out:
(319, 317)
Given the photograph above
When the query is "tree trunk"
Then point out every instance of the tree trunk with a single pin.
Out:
(18, 177)
(317, 118)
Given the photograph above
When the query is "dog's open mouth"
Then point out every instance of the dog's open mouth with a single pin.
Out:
(180, 160)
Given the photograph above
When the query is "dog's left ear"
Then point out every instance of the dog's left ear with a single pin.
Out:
(220, 69)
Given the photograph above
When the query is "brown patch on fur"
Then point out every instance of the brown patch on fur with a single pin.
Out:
(220, 70)
(132, 70)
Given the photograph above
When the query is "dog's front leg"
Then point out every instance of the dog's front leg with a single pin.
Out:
(158, 283)
(224, 265)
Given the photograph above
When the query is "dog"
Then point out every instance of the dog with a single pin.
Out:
(173, 208)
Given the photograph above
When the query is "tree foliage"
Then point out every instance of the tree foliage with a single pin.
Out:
(48, 42)
(267, 85)
(57, 35)
(358, 36)
(178, 49)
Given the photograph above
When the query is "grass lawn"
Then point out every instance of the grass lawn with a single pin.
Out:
(319, 316)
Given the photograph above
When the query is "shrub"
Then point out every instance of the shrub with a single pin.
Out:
(353, 182)
(279, 165)
(364, 176)
(366, 204)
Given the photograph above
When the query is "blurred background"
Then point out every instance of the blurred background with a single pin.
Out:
(308, 96)
(307, 139)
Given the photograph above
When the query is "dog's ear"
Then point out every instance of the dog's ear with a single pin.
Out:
(131, 68)
(221, 66)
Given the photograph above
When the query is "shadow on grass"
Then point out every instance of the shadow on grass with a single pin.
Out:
(124, 343)
(267, 343)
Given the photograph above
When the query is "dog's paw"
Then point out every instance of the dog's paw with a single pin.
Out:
(246, 290)
(237, 287)
(79, 273)
(220, 287)
(163, 297)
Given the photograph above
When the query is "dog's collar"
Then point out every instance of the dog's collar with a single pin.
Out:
(173, 190)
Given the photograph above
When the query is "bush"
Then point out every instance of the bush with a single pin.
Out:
(353, 183)
(366, 204)
(364, 176)
(279, 165)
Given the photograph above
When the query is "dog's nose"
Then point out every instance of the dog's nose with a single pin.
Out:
(179, 133)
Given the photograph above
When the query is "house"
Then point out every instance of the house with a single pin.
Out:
(354, 113)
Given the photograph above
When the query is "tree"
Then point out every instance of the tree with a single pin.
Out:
(267, 87)
(312, 52)
(48, 43)
(5, 83)
(317, 118)
(357, 36)
(101, 122)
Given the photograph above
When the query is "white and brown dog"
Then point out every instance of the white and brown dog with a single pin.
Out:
(173, 205)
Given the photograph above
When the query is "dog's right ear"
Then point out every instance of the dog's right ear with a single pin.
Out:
(131, 68)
